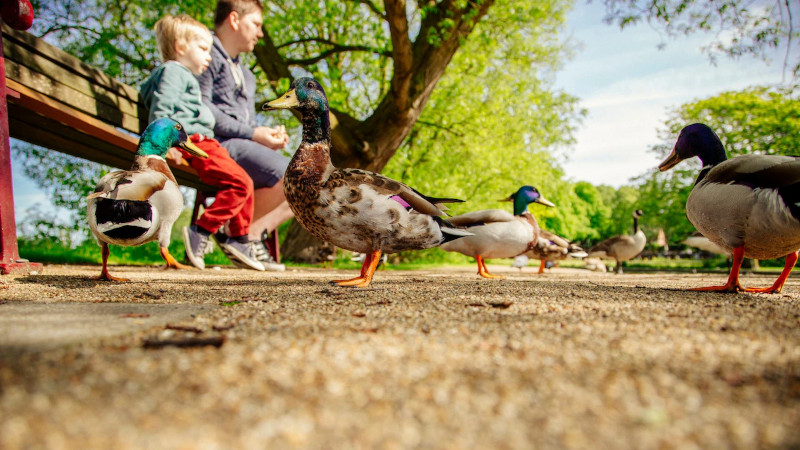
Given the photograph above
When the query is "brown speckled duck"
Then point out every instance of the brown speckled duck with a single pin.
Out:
(552, 247)
(748, 205)
(353, 209)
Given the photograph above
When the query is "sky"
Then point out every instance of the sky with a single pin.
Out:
(628, 86)
(624, 82)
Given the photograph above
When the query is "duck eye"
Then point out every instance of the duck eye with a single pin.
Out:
(310, 85)
(178, 126)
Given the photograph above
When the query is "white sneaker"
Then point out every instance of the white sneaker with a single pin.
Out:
(241, 254)
(266, 260)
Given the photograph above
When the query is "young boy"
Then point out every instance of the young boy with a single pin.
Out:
(228, 88)
(172, 91)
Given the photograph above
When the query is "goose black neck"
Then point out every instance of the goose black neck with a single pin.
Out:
(316, 126)
(635, 224)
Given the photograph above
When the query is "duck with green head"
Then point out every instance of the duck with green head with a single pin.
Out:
(498, 234)
(351, 208)
(132, 207)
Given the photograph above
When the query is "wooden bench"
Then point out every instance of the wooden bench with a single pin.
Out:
(61, 103)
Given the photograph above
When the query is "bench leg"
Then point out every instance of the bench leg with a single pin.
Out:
(200, 201)
(10, 261)
(273, 246)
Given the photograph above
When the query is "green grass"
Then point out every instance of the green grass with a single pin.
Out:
(88, 252)
(48, 251)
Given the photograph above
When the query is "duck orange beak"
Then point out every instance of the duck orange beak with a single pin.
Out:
(193, 149)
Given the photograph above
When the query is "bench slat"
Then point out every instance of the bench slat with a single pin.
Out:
(37, 46)
(53, 81)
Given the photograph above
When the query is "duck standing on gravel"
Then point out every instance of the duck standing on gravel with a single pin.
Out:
(353, 209)
(622, 247)
(748, 205)
(132, 207)
(552, 247)
(497, 233)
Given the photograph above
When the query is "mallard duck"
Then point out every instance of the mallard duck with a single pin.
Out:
(497, 233)
(353, 209)
(552, 247)
(622, 247)
(748, 205)
(131, 207)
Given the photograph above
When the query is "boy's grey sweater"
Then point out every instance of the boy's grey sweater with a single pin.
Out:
(173, 91)
(233, 108)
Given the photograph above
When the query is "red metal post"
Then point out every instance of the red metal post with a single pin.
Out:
(10, 262)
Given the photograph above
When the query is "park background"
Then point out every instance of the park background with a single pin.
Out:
(551, 93)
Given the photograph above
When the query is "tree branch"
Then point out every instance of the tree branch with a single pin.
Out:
(401, 52)
(57, 28)
(333, 51)
(372, 6)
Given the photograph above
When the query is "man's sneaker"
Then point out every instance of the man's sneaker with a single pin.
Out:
(263, 256)
(197, 245)
(241, 254)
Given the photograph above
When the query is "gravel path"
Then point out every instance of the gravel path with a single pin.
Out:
(430, 359)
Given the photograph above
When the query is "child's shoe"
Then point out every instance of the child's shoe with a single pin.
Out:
(197, 245)
(241, 254)
(266, 260)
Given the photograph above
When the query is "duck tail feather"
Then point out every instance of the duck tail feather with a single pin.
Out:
(436, 200)
(450, 232)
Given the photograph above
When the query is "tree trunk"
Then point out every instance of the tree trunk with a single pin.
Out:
(301, 246)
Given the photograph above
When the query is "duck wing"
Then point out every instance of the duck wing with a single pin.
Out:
(554, 239)
(778, 173)
(482, 217)
(137, 185)
(384, 185)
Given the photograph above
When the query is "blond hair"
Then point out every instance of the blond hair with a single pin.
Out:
(178, 30)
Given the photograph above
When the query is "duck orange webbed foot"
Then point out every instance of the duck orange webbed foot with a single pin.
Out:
(724, 289)
(484, 272)
(367, 271)
(172, 263)
(358, 282)
(105, 276)
(765, 290)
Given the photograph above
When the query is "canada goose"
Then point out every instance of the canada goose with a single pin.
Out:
(623, 247)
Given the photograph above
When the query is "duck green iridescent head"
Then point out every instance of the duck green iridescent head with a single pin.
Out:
(524, 196)
(163, 134)
(306, 96)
